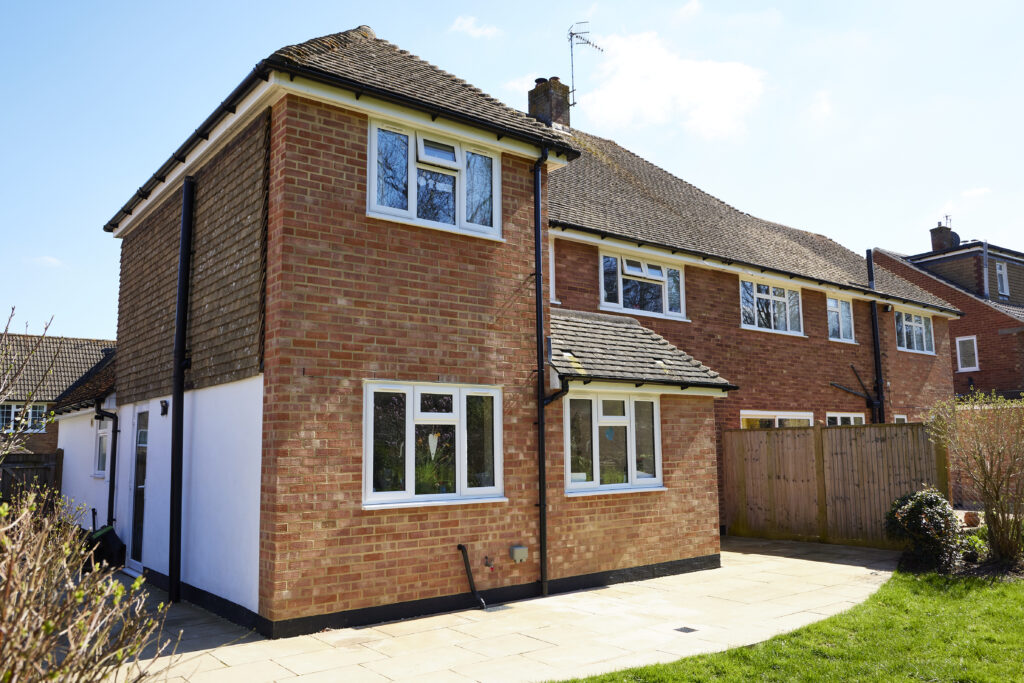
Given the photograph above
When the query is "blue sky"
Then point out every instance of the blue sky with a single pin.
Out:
(867, 122)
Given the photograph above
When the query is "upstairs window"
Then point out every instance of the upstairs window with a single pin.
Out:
(613, 441)
(840, 320)
(433, 181)
(966, 353)
(1002, 279)
(633, 284)
(770, 307)
(914, 332)
(30, 419)
(431, 442)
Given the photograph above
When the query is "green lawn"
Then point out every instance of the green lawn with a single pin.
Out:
(916, 627)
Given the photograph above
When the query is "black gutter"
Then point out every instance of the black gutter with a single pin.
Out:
(261, 72)
(538, 281)
(188, 193)
(562, 391)
(469, 575)
(879, 407)
(638, 381)
(708, 255)
(112, 468)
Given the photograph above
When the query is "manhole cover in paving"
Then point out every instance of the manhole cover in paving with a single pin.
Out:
(686, 629)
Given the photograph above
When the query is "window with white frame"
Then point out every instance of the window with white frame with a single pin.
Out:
(840, 419)
(13, 414)
(612, 441)
(102, 447)
(766, 306)
(431, 442)
(432, 180)
(840, 319)
(635, 284)
(767, 419)
(899, 419)
(1002, 278)
(914, 332)
(966, 353)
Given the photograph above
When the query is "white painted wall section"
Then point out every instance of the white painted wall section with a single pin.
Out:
(76, 435)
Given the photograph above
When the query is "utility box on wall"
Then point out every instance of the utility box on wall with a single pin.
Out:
(518, 553)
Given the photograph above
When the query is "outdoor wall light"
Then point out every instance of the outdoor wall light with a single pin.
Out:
(163, 407)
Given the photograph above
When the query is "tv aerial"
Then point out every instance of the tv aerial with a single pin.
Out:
(578, 36)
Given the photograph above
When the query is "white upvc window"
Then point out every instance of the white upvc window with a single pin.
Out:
(840, 319)
(102, 452)
(31, 418)
(431, 442)
(647, 287)
(1002, 278)
(899, 419)
(772, 419)
(766, 306)
(914, 332)
(612, 441)
(967, 353)
(434, 181)
(840, 419)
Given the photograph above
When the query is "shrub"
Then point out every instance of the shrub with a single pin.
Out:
(975, 545)
(984, 436)
(926, 520)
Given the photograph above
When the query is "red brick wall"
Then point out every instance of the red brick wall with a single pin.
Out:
(774, 371)
(44, 442)
(1000, 356)
(611, 531)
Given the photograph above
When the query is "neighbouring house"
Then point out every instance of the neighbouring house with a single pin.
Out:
(52, 364)
(986, 282)
(339, 366)
(783, 313)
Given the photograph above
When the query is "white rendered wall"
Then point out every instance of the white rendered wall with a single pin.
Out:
(222, 452)
(77, 437)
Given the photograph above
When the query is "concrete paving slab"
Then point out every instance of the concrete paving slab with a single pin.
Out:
(762, 589)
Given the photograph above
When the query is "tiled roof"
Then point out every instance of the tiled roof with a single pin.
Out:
(70, 357)
(360, 57)
(618, 348)
(94, 385)
(1015, 312)
(610, 190)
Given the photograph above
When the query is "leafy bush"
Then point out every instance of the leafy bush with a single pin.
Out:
(984, 436)
(975, 545)
(926, 520)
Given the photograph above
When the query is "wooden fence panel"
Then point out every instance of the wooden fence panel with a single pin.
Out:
(17, 469)
(825, 483)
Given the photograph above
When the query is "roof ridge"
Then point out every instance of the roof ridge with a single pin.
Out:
(54, 336)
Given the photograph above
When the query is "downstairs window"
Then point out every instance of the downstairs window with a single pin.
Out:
(612, 441)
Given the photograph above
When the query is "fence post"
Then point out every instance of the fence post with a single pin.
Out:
(943, 482)
(819, 474)
(58, 470)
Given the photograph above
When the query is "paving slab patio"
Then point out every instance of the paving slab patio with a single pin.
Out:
(762, 589)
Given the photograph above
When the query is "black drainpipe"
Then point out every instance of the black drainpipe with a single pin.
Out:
(879, 411)
(113, 458)
(538, 280)
(188, 194)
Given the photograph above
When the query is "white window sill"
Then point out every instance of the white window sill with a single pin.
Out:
(646, 314)
(844, 341)
(786, 333)
(432, 503)
(442, 227)
(921, 353)
(99, 475)
(556, 302)
(607, 492)
(969, 370)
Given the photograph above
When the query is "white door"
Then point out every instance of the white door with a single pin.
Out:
(137, 489)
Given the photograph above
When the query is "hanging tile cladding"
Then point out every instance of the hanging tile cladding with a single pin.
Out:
(225, 298)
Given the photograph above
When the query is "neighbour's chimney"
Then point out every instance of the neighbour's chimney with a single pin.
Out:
(549, 101)
(943, 237)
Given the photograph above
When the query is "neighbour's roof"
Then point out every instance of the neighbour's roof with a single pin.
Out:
(54, 363)
(611, 191)
(966, 246)
(358, 60)
(1015, 312)
(617, 348)
(95, 385)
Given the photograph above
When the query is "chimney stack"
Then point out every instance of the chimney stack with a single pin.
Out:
(549, 101)
(943, 237)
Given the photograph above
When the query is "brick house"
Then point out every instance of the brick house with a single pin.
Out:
(334, 346)
(52, 364)
(783, 313)
(986, 282)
